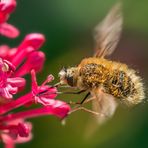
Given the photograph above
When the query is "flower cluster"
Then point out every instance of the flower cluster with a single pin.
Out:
(6, 8)
(14, 64)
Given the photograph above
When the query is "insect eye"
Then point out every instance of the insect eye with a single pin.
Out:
(70, 80)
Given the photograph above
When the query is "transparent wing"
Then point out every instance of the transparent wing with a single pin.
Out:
(105, 105)
(107, 33)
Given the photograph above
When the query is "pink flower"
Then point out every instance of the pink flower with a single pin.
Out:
(56, 107)
(32, 42)
(44, 95)
(7, 52)
(14, 64)
(8, 86)
(6, 8)
(11, 125)
(16, 131)
(21, 60)
(25, 57)
(16, 128)
(35, 60)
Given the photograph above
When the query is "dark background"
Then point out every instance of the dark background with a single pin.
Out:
(68, 26)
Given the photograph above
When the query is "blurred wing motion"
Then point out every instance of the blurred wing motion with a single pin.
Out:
(107, 33)
(105, 105)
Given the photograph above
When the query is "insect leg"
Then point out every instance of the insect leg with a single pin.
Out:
(85, 98)
(57, 84)
(79, 92)
(88, 100)
(65, 86)
(82, 102)
(86, 110)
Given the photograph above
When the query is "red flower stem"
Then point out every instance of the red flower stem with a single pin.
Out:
(16, 103)
(48, 110)
(10, 144)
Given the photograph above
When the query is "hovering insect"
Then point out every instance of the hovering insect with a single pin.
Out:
(106, 81)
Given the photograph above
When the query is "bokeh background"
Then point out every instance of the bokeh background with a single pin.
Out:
(68, 26)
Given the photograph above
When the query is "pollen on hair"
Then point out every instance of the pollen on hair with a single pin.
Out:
(139, 94)
(116, 78)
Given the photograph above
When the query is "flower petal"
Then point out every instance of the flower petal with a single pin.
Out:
(57, 108)
(4, 51)
(34, 61)
(31, 43)
(16, 82)
(34, 40)
(7, 6)
(8, 30)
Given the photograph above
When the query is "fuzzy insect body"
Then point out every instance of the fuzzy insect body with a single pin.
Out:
(115, 79)
(107, 81)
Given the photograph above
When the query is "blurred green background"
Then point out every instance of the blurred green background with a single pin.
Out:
(68, 26)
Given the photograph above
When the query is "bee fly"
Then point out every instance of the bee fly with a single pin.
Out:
(106, 81)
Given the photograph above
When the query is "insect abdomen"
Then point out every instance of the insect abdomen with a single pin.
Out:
(128, 88)
(115, 78)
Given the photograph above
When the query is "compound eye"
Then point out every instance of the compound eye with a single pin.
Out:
(70, 80)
